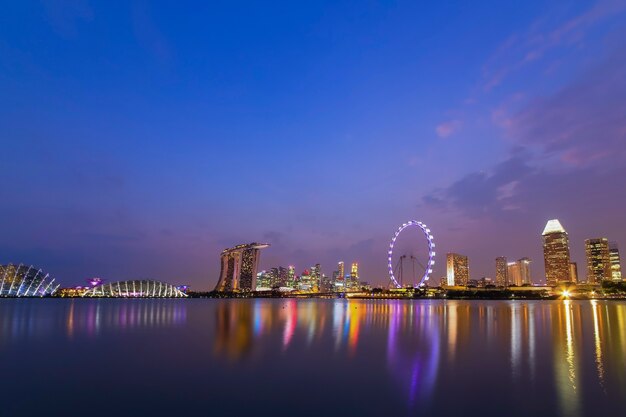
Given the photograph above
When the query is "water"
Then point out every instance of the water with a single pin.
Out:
(312, 357)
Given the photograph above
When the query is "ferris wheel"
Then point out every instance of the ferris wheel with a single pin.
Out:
(399, 268)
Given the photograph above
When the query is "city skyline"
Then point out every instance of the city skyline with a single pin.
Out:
(318, 128)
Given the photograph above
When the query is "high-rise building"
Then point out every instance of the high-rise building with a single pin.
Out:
(515, 275)
(457, 269)
(525, 269)
(354, 271)
(519, 272)
(502, 276)
(556, 253)
(573, 271)
(327, 284)
(616, 266)
(291, 277)
(598, 260)
(239, 267)
(316, 277)
(352, 280)
(341, 269)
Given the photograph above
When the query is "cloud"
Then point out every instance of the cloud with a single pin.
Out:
(484, 193)
(446, 129)
(520, 50)
(582, 124)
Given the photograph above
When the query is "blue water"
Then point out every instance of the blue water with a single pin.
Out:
(312, 358)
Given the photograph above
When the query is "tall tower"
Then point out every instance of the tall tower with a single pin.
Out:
(457, 269)
(354, 271)
(239, 267)
(341, 269)
(524, 266)
(556, 253)
(598, 260)
(502, 276)
(616, 267)
(515, 274)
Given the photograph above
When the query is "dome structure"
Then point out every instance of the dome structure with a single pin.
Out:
(25, 281)
(143, 288)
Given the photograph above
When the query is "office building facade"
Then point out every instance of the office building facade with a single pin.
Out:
(598, 260)
(616, 266)
(556, 253)
(502, 275)
(457, 269)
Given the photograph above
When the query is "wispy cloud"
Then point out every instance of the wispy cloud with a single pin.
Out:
(520, 50)
(448, 128)
(583, 123)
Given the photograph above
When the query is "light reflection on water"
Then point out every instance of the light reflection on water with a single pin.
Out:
(549, 358)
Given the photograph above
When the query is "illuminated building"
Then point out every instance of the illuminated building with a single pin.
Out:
(335, 279)
(598, 260)
(341, 269)
(144, 288)
(458, 270)
(72, 291)
(616, 267)
(263, 281)
(514, 273)
(326, 284)
(485, 282)
(556, 253)
(519, 272)
(25, 281)
(354, 271)
(525, 270)
(316, 277)
(239, 267)
(573, 271)
(352, 280)
(291, 277)
(502, 276)
(307, 281)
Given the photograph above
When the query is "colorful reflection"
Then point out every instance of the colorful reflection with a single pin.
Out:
(245, 328)
(92, 317)
(425, 340)
(32, 319)
(413, 349)
(570, 354)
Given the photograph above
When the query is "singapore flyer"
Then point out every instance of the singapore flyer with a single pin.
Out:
(396, 275)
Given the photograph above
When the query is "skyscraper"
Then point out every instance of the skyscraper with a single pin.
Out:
(458, 269)
(519, 272)
(341, 269)
(616, 266)
(291, 277)
(239, 267)
(514, 273)
(525, 270)
(502, 279)
(598, 260)
(352, 280)
(354, 271)
(556, 253)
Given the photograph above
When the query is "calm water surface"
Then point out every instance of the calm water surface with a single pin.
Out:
(312, 358)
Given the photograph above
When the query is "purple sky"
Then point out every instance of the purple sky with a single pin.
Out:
(140, 140)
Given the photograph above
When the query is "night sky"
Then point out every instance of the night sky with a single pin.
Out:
(141, 138)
